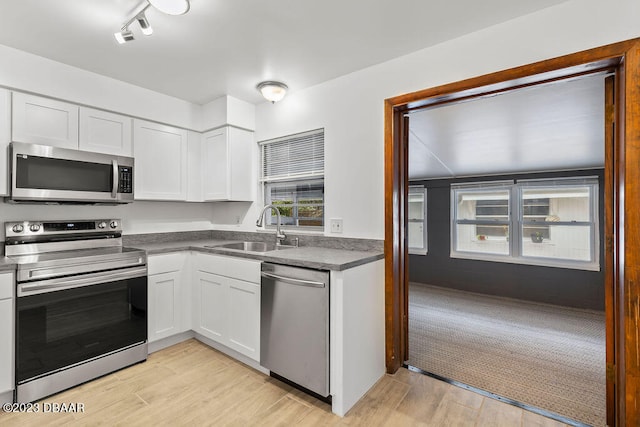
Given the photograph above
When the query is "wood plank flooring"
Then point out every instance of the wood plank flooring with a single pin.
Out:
(191, 384)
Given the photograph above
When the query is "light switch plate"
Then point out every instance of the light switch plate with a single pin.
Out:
(336, 225)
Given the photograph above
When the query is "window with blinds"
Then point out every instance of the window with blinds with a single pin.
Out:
(550, 222)
(293, 178)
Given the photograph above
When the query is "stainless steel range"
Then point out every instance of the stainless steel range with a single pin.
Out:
(81, 306)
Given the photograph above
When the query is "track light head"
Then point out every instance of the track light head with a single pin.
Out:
(123, 36)
(144, 24)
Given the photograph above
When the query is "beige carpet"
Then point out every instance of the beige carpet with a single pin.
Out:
(546, 356)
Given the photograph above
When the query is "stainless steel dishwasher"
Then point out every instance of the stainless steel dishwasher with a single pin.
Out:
(294, 329)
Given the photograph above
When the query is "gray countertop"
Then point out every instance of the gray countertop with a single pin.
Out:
(304, 256)
(7, 263)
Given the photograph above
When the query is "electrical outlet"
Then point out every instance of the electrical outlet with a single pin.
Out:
(336, 225)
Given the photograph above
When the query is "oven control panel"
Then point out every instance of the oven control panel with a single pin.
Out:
(44, 228)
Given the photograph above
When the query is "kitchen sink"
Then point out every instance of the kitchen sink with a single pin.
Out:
(251, 246)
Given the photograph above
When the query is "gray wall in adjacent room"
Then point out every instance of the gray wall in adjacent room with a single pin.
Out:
(560, 286)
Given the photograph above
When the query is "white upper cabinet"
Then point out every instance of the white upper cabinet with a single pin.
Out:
(228, 165)
(104, 132)
(5, 138)
(160, 153)
(44, 121)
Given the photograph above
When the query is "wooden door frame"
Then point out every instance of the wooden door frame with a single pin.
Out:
(622, 204)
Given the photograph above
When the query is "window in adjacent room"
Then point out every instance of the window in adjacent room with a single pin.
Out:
(293, 179)
(566, 229)
(481, 219)
(550, 222)
(417, 227)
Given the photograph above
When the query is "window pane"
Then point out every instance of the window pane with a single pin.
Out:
(300, 203)
(416, 205)
(491, 206)
(467, 240)
(568, 242)
(416, 235)
(565, 203)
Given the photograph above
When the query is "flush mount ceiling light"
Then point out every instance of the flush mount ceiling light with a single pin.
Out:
(170, 7)
(272, 91)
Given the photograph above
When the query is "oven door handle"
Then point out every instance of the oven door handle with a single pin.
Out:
(64, 283)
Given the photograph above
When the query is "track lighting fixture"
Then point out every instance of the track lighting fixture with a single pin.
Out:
(144, 24)
(123, 36)
(170, 7)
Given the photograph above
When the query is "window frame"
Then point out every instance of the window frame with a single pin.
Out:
(517, 223)
(479, 188)
(294, 175)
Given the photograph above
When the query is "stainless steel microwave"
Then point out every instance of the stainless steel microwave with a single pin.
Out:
(41, 173)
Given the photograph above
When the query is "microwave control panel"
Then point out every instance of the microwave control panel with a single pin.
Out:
(125, 179)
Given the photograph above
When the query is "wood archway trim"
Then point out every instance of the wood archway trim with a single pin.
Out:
(622, 204)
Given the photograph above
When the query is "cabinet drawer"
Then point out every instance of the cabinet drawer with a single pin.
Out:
(6, 285)
(229, 266)
(165, 263)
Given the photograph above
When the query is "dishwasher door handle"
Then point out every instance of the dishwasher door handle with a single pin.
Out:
(293, 281)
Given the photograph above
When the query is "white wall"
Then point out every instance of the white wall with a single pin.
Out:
(27, 72)
(350, 108)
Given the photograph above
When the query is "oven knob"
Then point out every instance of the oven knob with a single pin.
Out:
(102, 224)
(18, 228)
(34, 227)
(113, 224)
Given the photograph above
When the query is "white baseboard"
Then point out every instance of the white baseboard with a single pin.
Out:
(232, 353)
(169, 341)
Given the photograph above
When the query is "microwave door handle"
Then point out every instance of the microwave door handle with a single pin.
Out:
(116, 179)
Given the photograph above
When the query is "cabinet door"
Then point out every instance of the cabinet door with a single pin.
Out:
(7, 287)
(216, 184)
(164, 309)
(105, 132)
(243, 165)
(5, 138)
(244, 318)
(161, 161)
(44, 121)
(210, 306)
(6, 349)
(229, 166)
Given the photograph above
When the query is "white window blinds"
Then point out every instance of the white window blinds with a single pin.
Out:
(298, 156)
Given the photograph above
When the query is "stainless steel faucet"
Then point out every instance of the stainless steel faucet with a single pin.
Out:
(279, 234)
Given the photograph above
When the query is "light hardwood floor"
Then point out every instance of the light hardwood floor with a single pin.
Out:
(191, 384)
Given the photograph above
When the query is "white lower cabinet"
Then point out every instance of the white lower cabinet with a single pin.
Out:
(168, 296)
(226, 302)
(210, 306)
(164, 305)
(6, 332)
(244, 318)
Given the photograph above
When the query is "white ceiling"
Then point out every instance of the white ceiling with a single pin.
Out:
(225, 47)
(557, 126)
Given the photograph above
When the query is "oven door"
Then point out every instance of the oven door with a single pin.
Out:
(66, 321)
